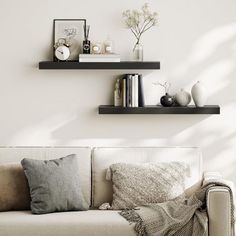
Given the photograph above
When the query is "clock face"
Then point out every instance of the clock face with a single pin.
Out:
(62, 53)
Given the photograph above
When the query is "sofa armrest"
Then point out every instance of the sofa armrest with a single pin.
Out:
(219, 211)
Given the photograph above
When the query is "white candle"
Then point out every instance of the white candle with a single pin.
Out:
(108, 46)
(97, 48)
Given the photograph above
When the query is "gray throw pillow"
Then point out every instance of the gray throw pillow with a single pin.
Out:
(54, 185)
(140, 184)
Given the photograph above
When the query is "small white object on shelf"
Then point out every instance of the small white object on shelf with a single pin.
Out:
(105, 55)
(109, 46)
(199, 94)
(183, 98)
(99, 58)
(138, 52)
(62, 53)
(97, 48)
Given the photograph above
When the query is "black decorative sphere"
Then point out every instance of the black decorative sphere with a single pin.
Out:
(167, 100)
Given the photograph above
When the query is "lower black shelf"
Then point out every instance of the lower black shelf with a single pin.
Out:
(189, 110)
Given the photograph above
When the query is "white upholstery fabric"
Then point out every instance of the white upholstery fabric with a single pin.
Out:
(101, 223)
(89, 223)
(219, 212)
(102, 158)
(14, 154)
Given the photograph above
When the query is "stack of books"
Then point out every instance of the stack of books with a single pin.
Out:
(99, 58)
(132, 90)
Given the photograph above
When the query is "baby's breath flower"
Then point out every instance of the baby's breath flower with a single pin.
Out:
(140, 21)
(145, 7)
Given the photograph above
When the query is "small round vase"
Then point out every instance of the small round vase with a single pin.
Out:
(199, 94)
(167, 100)
(183, 98)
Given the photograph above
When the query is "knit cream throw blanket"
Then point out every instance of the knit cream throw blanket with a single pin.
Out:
(180, 217)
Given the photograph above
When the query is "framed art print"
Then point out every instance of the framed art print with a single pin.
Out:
(72, 32)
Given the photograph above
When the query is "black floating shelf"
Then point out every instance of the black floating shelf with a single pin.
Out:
(75, 65)
(206, 110)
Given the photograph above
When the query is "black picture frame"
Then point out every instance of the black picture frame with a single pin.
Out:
(76, 45)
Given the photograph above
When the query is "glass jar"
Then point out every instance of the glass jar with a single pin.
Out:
(108, 46)
(138, 52)
(97, 48)
(86, 47)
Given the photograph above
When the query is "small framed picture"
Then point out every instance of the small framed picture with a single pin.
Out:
(70, 31)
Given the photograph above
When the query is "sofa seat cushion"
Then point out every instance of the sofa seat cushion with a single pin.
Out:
(86, 223)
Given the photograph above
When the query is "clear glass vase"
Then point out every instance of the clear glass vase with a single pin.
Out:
(138, 52)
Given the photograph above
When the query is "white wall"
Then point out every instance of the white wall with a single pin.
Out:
(195, 40)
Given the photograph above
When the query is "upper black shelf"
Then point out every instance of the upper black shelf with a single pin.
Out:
(75, 65)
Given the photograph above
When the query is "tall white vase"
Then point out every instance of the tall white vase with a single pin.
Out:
(199, 94)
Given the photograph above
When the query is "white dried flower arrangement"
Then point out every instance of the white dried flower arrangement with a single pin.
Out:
(140, 21)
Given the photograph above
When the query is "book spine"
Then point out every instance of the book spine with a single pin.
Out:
(99, 60)
(141, 101)
(124, 91)
(128, 90)
(136, 91)
(118, 93)
(133, 91)
(99, 56)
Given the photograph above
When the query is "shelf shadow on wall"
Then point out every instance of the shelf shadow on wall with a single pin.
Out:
(115, 126)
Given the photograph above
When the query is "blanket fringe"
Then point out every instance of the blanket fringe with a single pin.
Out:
(130, 215)
(133, 217)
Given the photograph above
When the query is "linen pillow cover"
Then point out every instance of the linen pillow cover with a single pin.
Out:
(54, 185)
(14, 190)
(140, 184)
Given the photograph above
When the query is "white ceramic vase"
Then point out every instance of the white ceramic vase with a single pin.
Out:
(199, 94)
(183, 98)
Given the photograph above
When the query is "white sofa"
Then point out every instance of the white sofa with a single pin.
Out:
(97, 190)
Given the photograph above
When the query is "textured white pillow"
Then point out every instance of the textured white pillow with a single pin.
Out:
(140, 184)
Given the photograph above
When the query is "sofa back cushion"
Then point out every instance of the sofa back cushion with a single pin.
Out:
(102, 158)
(14, 189)
(16, 154)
